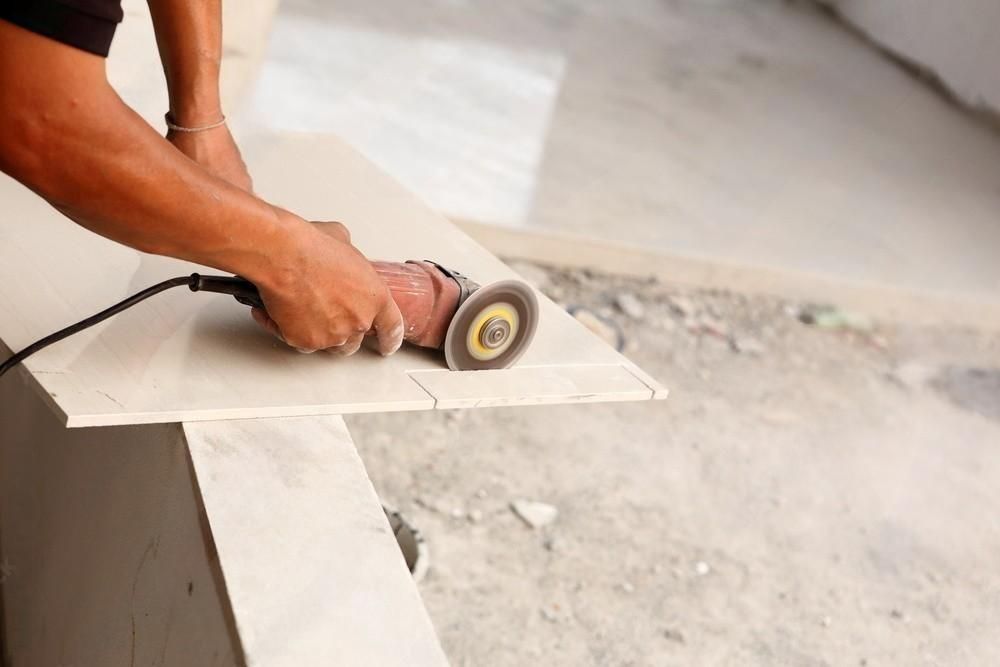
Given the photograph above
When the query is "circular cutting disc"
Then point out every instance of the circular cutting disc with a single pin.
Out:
(493, 328)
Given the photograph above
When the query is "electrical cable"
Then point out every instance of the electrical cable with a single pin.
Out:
(193, 282)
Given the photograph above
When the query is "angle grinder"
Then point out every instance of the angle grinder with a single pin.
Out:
(477, 327)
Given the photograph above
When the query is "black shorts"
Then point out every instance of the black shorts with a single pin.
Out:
(86, 24)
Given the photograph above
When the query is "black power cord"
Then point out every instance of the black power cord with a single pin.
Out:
(244, 291)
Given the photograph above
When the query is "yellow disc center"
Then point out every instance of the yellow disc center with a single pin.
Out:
(497, 313)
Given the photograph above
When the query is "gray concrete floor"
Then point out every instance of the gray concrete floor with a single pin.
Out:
(759, 133)
(822, 497)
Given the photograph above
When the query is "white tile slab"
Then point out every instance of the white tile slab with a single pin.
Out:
(310, 563)
(549, 384)
(193, 357)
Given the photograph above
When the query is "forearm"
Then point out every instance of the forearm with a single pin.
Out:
(189, 36)
(79, 146)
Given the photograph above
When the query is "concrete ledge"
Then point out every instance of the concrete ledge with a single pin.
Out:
(883, 302)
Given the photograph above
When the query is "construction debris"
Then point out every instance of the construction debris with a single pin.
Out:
(831, 317)
(534, 513)
(746, 345)
(630, 304)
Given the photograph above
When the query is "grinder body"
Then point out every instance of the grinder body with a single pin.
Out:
(428, 298)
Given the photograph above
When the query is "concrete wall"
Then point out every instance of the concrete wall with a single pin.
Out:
(958, 41)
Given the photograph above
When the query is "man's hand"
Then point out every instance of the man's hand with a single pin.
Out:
(216, 151)
(331, 298)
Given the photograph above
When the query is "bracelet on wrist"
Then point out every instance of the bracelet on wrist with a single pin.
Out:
(180, 128)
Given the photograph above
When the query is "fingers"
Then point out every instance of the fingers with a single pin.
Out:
(261, 317)
(336, 230)
(345, 349)
(388, 327)
(350, 346)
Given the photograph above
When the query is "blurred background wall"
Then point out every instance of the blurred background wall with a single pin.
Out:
(956, 41)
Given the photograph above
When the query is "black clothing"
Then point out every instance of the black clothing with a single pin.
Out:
(86, 24)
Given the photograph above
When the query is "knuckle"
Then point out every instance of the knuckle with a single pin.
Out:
(310, 341)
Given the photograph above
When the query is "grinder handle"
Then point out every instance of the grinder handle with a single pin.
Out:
(243, 290)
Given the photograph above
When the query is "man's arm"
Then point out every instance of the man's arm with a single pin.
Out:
(189, 36)
(66, 134)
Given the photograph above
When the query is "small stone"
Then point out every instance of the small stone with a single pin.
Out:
(475, 516)
(674, 635)
(627, 587)
(457, 513)
(681, 305)
(630, 304)
(830, 317)
(535, 514)
(481, 494)
(433, 504)
(826, 621)
(745, 345)
(701, 568)
(550, 543)
(897, 614)
(549, 615)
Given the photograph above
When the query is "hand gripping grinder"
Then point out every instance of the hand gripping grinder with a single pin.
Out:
(477, 328)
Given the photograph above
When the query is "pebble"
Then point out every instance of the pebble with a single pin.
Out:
(674, 635)
(627, 587)
(681, 305)
(433, 504)
(897, 614)
(534, 513)
(549, 615)
(481, 494)
(745, 345)
(630, 304)
(826, 621)
(457, 513)
(701, 568)
(475, 516)
(830, 317)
